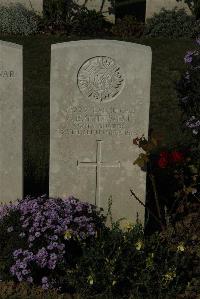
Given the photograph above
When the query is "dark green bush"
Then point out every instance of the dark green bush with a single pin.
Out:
(90, 22)
(173, 24)
(70, 18)
(125, 264)
(127, 27)
(17, 19)
(58, 15)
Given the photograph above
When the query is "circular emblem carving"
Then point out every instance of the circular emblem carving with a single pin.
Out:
(100, 79)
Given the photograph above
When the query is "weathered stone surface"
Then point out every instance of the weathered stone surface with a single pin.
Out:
(11, 93)
(100, 95)
(154, 6)
(36, 5)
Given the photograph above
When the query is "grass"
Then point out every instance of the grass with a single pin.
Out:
(164, 111)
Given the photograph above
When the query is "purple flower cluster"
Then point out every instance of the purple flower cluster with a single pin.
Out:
(188, 88)
(44, 223)
(188, 57)
(22, 267)
(194, 124)
(191, 55)
(45, 283)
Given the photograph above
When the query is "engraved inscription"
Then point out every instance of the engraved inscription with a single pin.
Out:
(100, 79)
(81, 120)
(6, 73)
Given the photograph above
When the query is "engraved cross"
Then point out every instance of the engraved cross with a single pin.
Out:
(98, 164)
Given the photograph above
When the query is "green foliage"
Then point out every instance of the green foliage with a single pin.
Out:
(16, 19)
(89, 22)
(127, 27)
(125, 263)
(71, 18)
(173, 24)
(9, 242)
(58, 15)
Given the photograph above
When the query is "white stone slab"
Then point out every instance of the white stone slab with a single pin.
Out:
(11, 113)
(99, 102)
(154, 6)
(36, 5)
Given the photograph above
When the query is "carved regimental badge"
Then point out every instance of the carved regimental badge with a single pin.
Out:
(100, 79)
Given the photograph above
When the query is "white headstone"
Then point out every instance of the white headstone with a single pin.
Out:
(36, 5)
(11, 113)
(99, 102)
(154, 6)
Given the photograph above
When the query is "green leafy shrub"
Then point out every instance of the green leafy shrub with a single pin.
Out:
(127, 27)
(70, 18)
(58, 15)
(173, 24)
(90, 22)
(16, 19)
(126, 264)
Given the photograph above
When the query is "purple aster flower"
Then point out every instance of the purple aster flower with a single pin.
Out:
(10, 229)
(184, 100)
(193, 122)
(23, 265)
(50, 246)
(31, 238)
(188, 57)
(51, 264)
(37, 234)
(17, 252)
(198, 41)
(187, 76)
(195, 132)
(22, 235)
(29, 279)
(45, 284)
(44, 279)
(25, 272)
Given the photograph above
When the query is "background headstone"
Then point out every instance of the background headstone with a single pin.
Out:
(154, 6)
(99, 102)
(11, 113)
(36, 5)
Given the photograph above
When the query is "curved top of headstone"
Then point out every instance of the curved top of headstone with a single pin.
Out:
(11, 45)
(101, 42)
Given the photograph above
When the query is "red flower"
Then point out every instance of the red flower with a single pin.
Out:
(177, 156)
(163, 160)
